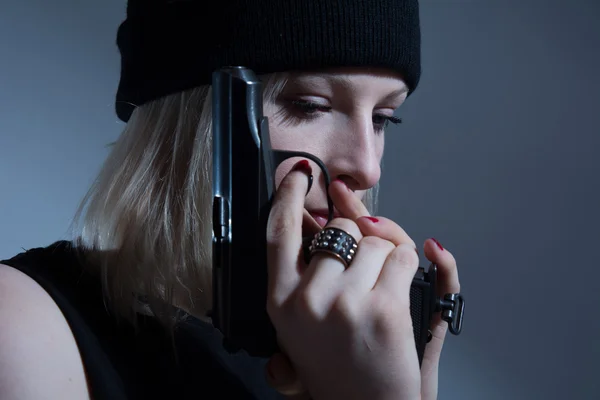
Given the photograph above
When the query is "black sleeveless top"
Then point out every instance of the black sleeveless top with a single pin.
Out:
(121, 363)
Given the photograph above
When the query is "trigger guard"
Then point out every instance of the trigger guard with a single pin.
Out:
(280, 156)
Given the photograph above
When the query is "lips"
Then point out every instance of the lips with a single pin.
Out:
(321, 216)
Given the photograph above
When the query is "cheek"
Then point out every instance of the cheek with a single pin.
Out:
(282, 171)
(294, 140)
(291, 138)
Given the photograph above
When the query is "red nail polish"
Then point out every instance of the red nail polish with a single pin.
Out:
(303, 166)
(372, 219)
(438, 243)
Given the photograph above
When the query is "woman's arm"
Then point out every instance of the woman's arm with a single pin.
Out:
(39, 358)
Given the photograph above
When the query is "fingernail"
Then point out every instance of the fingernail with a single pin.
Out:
(303, 166)
(372, 219)
(438, 243)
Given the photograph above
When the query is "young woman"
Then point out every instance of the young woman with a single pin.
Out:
(120, 311)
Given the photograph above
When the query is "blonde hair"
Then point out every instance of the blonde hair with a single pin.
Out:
(145, 224)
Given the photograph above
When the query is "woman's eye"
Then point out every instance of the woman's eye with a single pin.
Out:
(380, 121)
(310, 107)
(309, 110)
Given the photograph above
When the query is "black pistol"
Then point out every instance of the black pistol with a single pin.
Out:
(243, 186)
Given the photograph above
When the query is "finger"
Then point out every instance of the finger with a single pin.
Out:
(310, 227)
(284, 232)
(282, 376)
(397, 274)
(391, 295)
(386, 229)
(321, 281)
(447, 269)
(362, 275)
(448, 282)
(346, 201)
(324, 265)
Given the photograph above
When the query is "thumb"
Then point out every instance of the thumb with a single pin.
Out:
(282, 377)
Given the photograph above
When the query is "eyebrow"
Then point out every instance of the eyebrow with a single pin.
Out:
(395, 94)
(340, 81)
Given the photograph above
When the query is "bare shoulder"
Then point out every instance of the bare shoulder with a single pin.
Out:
(39, 358)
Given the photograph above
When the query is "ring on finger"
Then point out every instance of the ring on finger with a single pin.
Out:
(336, 242)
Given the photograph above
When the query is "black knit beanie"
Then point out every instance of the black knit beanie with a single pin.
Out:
(170, 46)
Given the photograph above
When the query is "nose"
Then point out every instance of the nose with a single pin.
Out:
(356, 155)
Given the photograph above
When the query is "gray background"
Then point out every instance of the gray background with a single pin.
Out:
(496, 159)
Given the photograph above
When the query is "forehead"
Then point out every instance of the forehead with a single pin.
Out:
(353, 79)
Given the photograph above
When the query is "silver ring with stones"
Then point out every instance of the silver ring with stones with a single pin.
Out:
(336, 242)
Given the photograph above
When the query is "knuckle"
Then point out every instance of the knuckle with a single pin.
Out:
(374, 242)
(306, 304)
(406, 239)
(345, 307)
(280, 224)
(399, 234)
(405, 256)
(412, 243)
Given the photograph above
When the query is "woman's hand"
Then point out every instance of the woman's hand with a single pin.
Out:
(350, 206)
(284, 377)
(347, 331)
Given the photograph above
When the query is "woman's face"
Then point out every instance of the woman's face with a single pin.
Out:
(340, 117)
